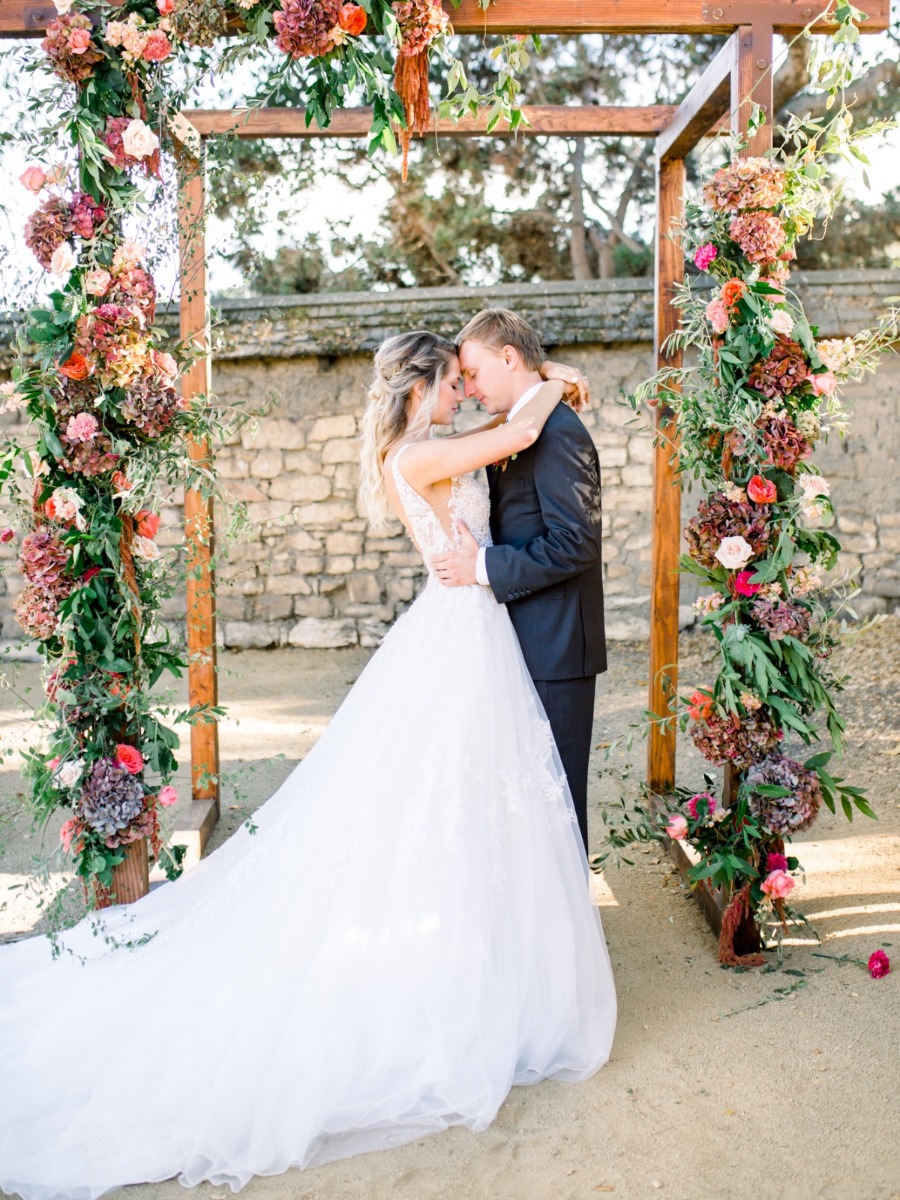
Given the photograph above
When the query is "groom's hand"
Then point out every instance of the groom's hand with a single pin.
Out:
(457, 569)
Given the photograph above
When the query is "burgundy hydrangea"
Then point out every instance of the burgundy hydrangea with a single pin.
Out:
(133, 287)
(784, 815)
(46, 229)
(781, 617)
(783, 372)
(719, 517)
(732, 739)
(85, 215)
(94, 457)
(151, 405)
(305, 28)
(112, 139)
(785, 445)
(45, 562)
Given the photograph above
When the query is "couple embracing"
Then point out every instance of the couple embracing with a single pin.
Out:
(405, 931)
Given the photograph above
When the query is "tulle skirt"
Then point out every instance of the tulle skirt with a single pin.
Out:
(403, 933)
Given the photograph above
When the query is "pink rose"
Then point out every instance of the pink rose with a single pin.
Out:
(776, 862)
(67, 833)
(742, 585)
(717, 315)
(82, 427)
(164, 363)
(157, 47)
(7, 534)
(879, 965)
(702, 804)
(822, 385)
(97, 281)
(165, 8)
(705, 256)
(677, 827)
(33, 178)
(54, 763)
(778, 884)
(79, 40)
(734, 553)
(130, 758)
(167, 795)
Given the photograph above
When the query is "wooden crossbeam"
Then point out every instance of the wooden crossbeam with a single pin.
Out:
(549, 119)
(24, 18)
(708, 100)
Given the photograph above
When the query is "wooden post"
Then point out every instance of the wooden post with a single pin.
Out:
(198, 511)
(751, 83)
(666, 492)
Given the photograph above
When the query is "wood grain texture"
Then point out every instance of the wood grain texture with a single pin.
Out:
(751, 83)
(664, 580)
(23, 18)
(544, 120)
(198, 510)
(131, 878)
(700, 111)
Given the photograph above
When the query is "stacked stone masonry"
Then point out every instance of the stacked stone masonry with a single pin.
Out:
(312, 573)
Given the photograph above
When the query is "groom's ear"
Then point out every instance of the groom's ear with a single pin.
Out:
(511, 357)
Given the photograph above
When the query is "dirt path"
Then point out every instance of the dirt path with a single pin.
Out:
(722, 1085)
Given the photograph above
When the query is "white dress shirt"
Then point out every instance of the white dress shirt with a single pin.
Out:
(481, 574)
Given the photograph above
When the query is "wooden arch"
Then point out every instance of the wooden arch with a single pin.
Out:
(739, 76)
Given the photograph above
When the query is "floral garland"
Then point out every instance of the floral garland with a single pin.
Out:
(763, 392)
(98, 378)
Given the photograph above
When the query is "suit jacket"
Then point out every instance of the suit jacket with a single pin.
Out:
(545, 563)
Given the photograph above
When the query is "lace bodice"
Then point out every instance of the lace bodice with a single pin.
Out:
(468, 503)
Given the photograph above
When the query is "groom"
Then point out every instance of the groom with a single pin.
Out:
(545, 525)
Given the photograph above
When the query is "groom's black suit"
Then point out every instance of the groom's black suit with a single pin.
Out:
(545, 566)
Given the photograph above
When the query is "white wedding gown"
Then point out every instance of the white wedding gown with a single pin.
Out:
(407, 934)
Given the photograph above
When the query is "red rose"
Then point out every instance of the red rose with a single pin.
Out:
(130, 758)
(75, 367)
(761, 490)
(7, 534)
(352, 19)
(146, 523)
(879, 964)
(742, 586)
(700, 706)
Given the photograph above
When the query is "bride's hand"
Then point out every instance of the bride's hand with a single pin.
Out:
(577, 393)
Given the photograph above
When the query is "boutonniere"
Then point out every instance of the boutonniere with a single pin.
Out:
(503, 463)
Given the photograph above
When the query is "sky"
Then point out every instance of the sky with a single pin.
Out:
(317, 208)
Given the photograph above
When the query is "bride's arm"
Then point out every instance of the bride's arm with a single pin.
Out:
(425, 463)
(499, 419)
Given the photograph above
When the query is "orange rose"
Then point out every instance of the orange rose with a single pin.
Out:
(700, 706)
(120, 481)
(732, 292)
(146, 523)
(130, 758)
(352, 19)
(75, 367)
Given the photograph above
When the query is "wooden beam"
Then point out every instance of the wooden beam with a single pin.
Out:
(198, 509)
(558, 120)
(24, 18)
(707, 101)
(751, 83)
(664, 585)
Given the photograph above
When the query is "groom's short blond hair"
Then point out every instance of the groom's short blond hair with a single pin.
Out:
(499, 327)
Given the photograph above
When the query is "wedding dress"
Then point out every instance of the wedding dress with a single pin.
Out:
(407, 933)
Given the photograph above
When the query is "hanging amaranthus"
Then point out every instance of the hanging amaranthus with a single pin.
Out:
(420, 21)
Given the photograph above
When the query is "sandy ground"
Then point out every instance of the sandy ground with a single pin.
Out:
(774, 1084)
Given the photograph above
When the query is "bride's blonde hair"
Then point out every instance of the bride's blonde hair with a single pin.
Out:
(400, 362)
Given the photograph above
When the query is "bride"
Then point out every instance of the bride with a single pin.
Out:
(403, 933)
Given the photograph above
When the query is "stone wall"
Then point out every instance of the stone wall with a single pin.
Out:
(312, 573)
